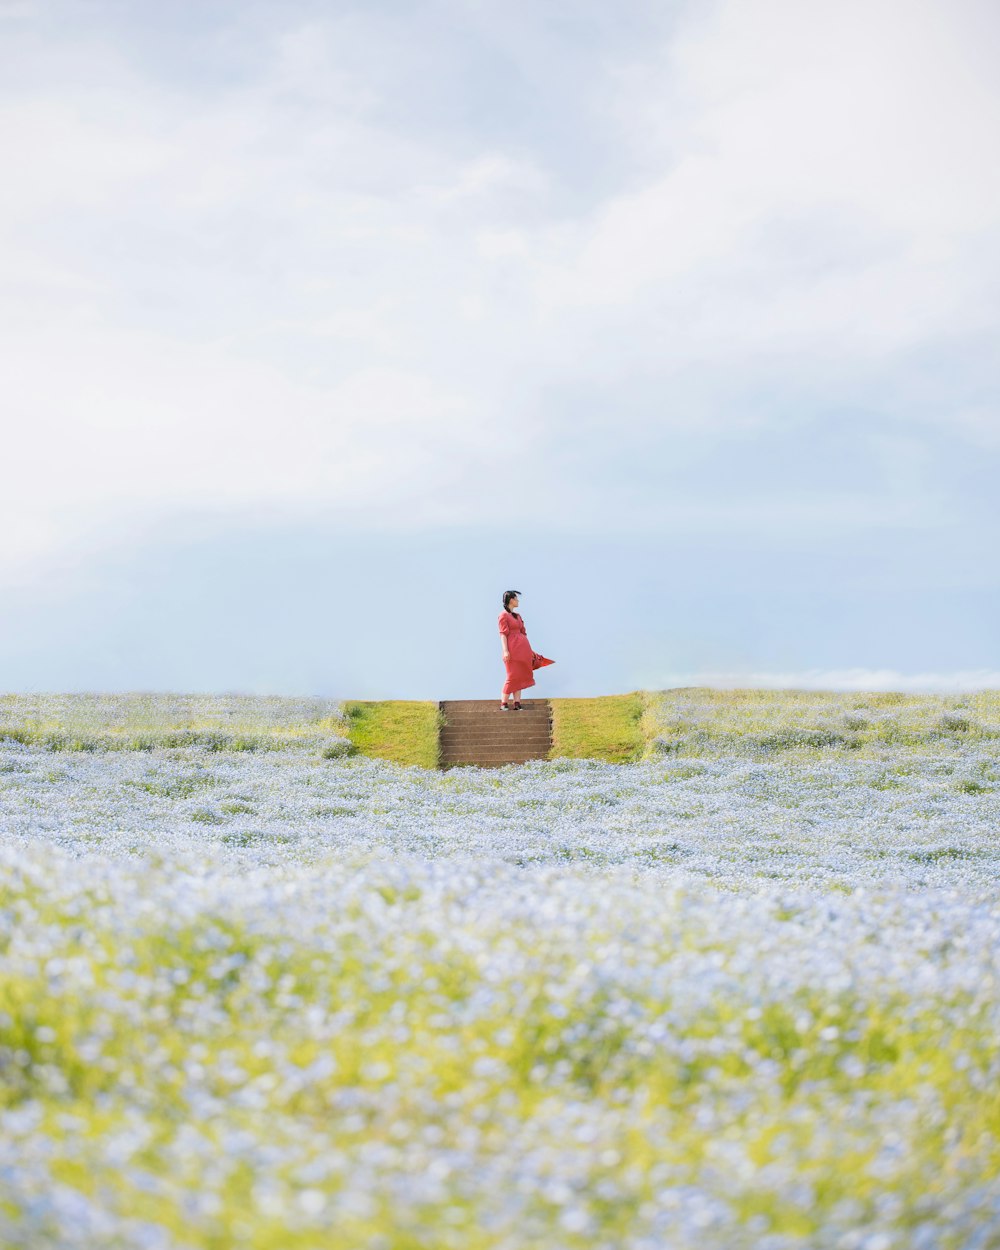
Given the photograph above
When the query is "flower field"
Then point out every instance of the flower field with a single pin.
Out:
(257, 992)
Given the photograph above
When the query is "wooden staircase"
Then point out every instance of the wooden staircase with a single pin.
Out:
(477, 732)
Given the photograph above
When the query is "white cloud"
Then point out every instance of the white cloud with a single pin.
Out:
(861, 679)
(870, 125)
(980, 425)
(276, 290)
(151, 424)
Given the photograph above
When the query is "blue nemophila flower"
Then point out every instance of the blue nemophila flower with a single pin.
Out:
(743, 997)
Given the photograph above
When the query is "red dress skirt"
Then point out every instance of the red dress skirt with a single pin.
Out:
(522, 661)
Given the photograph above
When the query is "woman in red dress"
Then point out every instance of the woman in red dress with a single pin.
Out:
(518, 658)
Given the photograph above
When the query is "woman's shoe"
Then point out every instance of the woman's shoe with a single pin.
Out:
(504, 707)
(517, 706)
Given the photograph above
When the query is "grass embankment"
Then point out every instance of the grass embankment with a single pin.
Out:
(613, 727)
(697, 720)
(405, 731)
(619, 728)
(143, 721)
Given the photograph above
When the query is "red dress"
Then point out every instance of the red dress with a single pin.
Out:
(522, 660)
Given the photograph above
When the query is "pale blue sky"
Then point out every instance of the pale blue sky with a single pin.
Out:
(325, 324)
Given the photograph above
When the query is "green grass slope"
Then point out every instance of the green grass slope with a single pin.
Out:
(405, 731)
(612, 727)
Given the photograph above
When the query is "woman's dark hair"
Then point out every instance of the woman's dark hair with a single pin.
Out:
(507, 596)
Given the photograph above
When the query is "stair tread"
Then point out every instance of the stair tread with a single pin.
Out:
(508, 747)
(494, 758)
(489, 702)
(505, 743)
(501, 718)
(489, 751)
(492, 748)
(495, 744)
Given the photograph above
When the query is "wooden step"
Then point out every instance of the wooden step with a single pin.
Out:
(492, 712)
(477, 732)
(453, 738)
(458, 738)
(536, 750)
(501, 720)
(514, 726)
(492, 757)
(537, 724)
(493, 715)
(491, 708)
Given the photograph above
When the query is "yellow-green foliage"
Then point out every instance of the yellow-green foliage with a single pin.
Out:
(406, 731)
(267, 1071)
(700, 721)
(611, 727)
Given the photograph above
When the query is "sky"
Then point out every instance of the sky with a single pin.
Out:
(325, 324)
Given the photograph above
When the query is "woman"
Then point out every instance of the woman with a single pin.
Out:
(518, 658)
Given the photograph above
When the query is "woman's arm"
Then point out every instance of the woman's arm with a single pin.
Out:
(504, 628)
